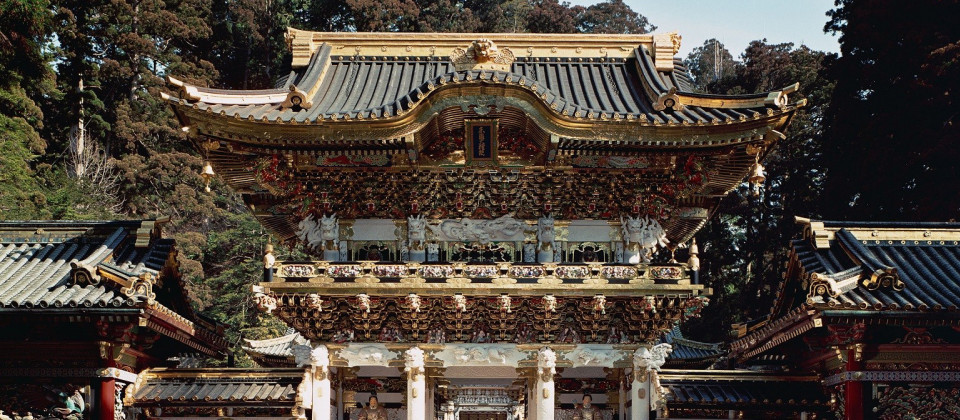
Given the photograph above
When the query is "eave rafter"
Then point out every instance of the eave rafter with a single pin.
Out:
(649, 132)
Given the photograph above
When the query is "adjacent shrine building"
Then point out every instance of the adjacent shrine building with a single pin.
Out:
(494, 219)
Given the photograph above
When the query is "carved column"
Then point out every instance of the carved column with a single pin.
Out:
(318, 360)
(640, 394)
(546, 369)
(645, 390)
(416, 384)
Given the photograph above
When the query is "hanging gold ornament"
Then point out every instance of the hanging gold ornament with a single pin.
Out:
(207, 175)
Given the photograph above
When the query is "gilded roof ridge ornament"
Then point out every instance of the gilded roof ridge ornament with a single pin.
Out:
(482, 54)
(296, 98)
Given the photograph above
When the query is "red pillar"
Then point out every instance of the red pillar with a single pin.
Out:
(853, 398)
(105, 404)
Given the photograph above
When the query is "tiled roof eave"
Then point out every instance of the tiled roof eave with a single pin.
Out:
(265, 133)
(782, 329)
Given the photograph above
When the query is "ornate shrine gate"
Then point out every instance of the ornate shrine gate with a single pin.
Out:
(485, 211)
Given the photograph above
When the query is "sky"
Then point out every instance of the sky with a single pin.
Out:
(737, 22)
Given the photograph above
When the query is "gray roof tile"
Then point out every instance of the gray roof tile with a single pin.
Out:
(37, 259)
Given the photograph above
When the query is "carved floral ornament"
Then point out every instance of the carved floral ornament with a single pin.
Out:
(482, 54)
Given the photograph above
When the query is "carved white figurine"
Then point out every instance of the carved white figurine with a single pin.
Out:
(546, 239)
(600, 304)
(414, 301)
(433, 252)
(413, 359)
(263, 301)
(546, 365)
(505, 303)
(417, 238)
(304, 355)
(642, 236)
(460, 302)
(313, 301)
(323, 235)
(363, 302)
(550, 303)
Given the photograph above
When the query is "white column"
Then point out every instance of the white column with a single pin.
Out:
(546, 368)
(639, 394)
(316, 393)
(416, 384)
(643, 391)
(320, 363)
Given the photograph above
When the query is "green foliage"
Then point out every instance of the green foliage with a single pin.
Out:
(894, 115)
(743, 250)
(231, 255)
(709, 63)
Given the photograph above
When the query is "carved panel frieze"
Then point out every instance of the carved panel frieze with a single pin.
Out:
(480, 355)
(478, 320)
(370, 354)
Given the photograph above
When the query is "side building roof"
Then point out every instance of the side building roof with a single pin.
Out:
(274, 352)
(217, 387)
(71, 266)
(853, 269)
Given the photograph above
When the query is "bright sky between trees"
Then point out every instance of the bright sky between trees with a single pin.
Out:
(737, 22)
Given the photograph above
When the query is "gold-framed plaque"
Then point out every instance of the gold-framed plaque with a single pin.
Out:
(481, 142)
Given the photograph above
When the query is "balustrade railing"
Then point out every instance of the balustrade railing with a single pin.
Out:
(496, 273)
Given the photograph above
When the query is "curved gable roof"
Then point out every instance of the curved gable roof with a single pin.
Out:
(630, 80)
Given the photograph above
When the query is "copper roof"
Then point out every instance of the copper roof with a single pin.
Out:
(38, 257)
(741, 389)
(888, 266)
(216, 386)
(635, 79)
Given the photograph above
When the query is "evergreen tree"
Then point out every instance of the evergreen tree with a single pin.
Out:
(743, 247)
(894, 115)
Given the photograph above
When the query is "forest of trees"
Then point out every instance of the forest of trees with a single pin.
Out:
(86, 136)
